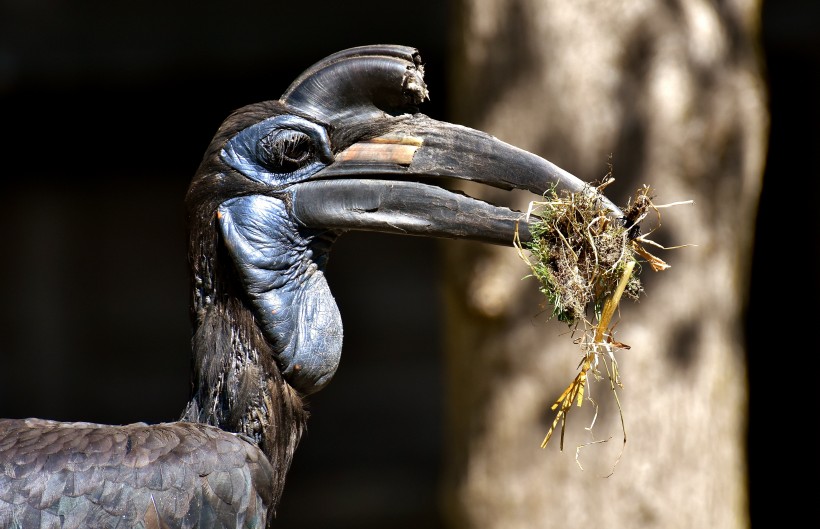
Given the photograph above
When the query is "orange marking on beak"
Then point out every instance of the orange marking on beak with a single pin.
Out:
(389, 149)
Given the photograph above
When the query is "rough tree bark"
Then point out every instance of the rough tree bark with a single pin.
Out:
(674, 92)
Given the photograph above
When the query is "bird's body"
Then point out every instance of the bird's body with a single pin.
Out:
(222, 466)
(343, 149)
(84, 475)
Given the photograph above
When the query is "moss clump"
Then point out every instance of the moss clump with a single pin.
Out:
(578, 251)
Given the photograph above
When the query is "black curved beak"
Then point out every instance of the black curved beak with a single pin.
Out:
(387, 184)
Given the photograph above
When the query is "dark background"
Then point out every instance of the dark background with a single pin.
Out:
(106, 110)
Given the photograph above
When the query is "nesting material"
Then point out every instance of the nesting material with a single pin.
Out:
(586, 261)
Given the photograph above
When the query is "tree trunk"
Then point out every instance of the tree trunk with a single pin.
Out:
(673, 92)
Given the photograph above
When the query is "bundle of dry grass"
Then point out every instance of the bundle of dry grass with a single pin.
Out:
(585, 261)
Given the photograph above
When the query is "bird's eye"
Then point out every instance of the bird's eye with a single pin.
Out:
(280, 150)
(285, 150)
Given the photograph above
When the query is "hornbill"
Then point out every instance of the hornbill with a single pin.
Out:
(344, 148)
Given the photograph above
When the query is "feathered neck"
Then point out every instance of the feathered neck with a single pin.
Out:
(236, 384)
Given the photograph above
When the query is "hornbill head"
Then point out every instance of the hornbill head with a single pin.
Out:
(343, 149)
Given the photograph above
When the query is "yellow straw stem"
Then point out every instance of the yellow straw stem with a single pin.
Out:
(612, 301)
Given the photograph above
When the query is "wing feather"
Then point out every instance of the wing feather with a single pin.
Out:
(179, 475)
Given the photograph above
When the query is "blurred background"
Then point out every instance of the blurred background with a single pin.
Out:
(106, 110)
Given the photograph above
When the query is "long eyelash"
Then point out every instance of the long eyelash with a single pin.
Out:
(278, 150)
(289, 144)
